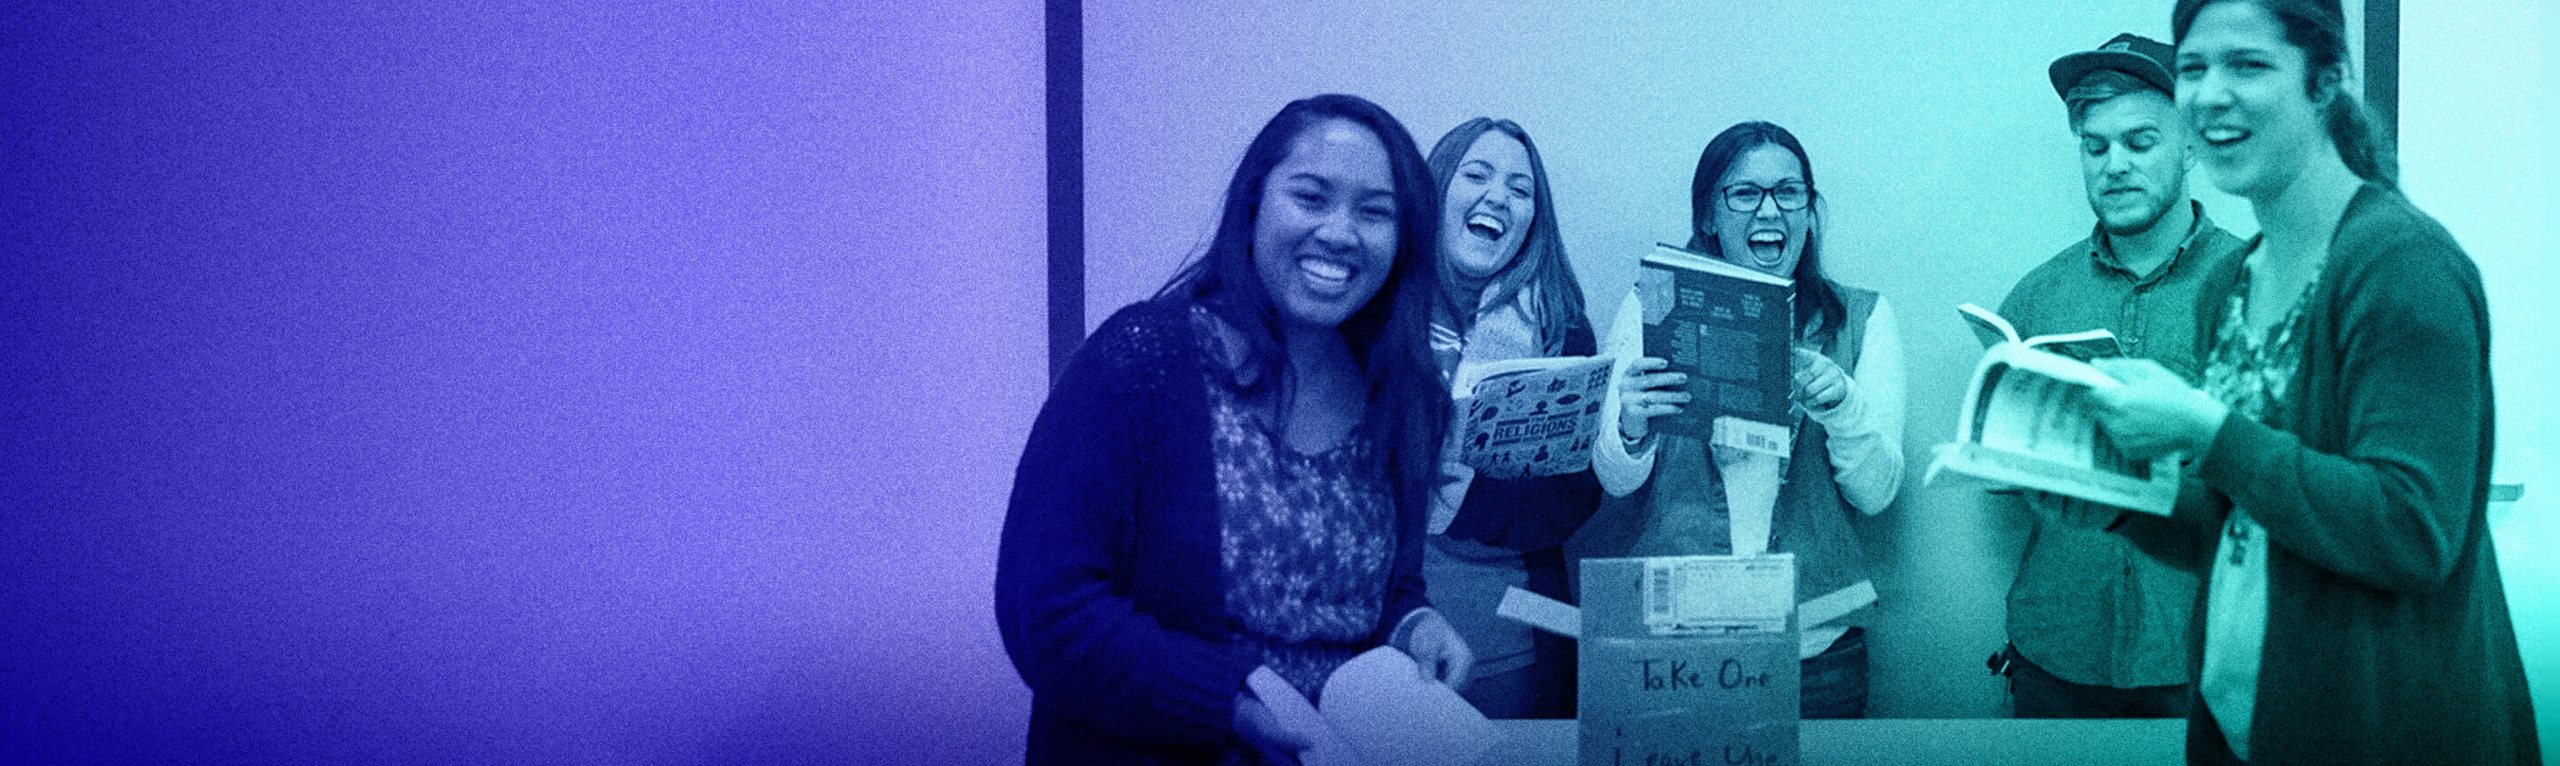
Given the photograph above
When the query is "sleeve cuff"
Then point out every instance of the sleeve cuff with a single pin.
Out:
(1619, 472)
(1403, 634)
(1849, 416)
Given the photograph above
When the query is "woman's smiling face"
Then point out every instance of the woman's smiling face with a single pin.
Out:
(2243, 88)
(1324, 235)
(1766, 238)
(1485, 215)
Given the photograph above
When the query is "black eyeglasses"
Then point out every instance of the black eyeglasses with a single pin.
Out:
(1745, 197)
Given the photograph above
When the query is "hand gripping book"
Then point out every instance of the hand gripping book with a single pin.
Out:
(2027, 422)
(1728, 328)
(1530, 417)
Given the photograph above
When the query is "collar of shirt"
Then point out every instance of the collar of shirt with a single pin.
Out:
(2103, 251)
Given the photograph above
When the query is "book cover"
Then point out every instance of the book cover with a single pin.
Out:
(1730, 329)
(1530, 417)
(2085, 345)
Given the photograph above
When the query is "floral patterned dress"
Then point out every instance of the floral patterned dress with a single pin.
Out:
(2251, 374)
(1307, 541)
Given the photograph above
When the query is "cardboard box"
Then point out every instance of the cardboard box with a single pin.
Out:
(1656, 691)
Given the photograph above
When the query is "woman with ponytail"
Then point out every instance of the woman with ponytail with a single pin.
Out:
(2339, 450)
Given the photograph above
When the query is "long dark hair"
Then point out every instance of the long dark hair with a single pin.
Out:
(1819, 312)
(1390, 335)
(1555, 296)
(2319, 29)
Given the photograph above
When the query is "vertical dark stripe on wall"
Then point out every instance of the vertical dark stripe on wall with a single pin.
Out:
(1066, 181)
(2382, 63)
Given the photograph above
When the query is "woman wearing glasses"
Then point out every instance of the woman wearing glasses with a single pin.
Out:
(1753, 203)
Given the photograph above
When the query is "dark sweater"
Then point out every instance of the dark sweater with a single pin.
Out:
(2387, 636)
(1108, 592)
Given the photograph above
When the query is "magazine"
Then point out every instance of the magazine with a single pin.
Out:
(1531, 417)
(2027, 423)
(1729, 329)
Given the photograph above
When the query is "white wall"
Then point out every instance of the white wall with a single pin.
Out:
(1940, 147)
(2475, 151)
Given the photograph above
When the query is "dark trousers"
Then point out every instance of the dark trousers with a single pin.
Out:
(1835, 681)
(2034, 693)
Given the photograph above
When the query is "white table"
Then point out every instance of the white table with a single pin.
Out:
(1920, 741)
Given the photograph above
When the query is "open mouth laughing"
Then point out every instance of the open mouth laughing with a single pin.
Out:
(1768, 246)
(1324, 277)
(1487, 226)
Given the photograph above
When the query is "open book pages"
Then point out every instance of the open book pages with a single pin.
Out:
(2027, 422)
(2099, 343)
(1379, 711)
(1530, 417)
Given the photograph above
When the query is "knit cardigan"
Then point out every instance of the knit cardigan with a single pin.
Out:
(2387, 637)
(1109, 595)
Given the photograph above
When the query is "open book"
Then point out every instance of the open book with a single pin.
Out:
(2084, 345)
(1530, 417)
(1729, 329)
(2027, 423)
(1379, 711)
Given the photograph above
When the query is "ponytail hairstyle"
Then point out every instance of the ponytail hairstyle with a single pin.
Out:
(1540, 269)
(2319, 29)
(1819, 312)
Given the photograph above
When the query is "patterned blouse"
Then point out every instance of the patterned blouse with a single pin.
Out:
(2251, 374)
(1307, 541)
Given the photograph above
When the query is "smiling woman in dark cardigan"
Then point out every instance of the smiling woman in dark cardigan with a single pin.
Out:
(2341, 443)
(1233, 475)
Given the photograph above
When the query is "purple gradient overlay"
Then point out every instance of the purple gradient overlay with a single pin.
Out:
(513, 383)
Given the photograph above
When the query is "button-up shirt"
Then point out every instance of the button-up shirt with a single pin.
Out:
(2088, 606)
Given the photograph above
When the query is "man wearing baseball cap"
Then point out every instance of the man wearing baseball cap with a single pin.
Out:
(2099, 614)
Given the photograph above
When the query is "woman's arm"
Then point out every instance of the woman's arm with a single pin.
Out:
(1865, 429)
(1073, 636)
(1622, 470)
(2401, 365)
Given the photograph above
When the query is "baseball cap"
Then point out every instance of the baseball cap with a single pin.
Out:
(2129, 53)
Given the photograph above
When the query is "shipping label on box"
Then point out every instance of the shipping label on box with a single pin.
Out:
(1672, 674)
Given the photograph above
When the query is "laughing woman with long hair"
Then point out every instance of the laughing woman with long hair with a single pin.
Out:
(1753, 203)
(1506, 292)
